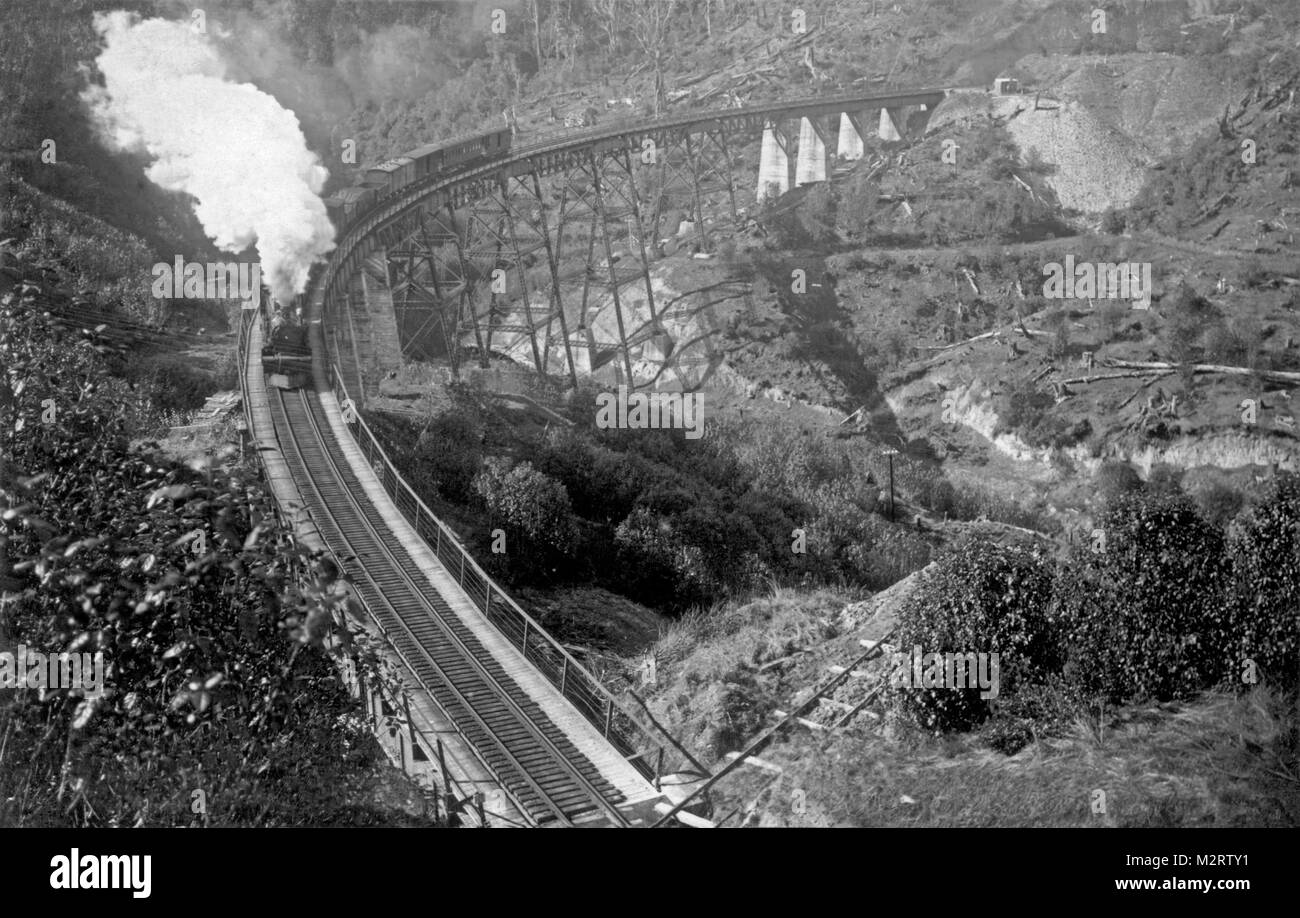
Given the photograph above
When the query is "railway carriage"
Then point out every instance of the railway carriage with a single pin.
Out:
(423, 163)
(352, 201)
(393, 174)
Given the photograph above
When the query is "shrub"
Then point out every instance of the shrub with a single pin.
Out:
(1219, 502)
(1116, 480)
(817, 212)
(983, 598)
(527, 503)
(942, 498)
(1023, 407)
(896, 553)
(178, 387)
(1143, 617)
(1165, 480)
(1186, 302)
(1112, 221)
(1036, 710)
(1113, 314)
(1265, 592)
(659, 566)
(727, 254)
(1223, 345)
(1253, 273)
(450, 450)
(1027, 411)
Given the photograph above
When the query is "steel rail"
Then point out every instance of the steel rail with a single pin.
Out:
(245, 326)
(523, 808)
(770, 733)
(474, 659)
(573, 673)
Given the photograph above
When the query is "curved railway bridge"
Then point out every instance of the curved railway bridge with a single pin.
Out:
(491, 708)
(545, 255)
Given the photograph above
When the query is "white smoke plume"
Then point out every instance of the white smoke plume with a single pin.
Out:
(230, 145)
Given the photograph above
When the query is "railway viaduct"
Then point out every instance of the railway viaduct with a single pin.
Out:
(546, 256)
(481, 703)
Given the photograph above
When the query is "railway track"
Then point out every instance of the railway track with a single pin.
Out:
(535, 763)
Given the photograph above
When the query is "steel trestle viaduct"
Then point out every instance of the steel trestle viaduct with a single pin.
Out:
(519, 255)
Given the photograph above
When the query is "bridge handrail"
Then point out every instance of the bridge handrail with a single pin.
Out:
(543, 141)
(397, 202)
(587, 693)
(461, 794)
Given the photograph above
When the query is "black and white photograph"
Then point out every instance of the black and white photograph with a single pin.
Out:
(662, 414)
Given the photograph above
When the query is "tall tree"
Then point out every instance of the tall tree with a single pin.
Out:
(535, 10)
(607, 16)
(650, 21)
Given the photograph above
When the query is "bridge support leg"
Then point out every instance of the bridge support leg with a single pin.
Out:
(697, 203)
(773, 164)
(811, 163)
(889, 126)
(633, 199)
(552, 260)
(507, 210)
(720, 138)
(465, 297)
(602, 222)
(849, 143)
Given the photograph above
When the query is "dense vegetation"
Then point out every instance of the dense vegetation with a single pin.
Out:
(1162, 605)
(222, 706)
(664, 520)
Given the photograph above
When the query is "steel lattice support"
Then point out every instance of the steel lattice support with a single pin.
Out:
(603, 224)
(542, 226)
(441, 242)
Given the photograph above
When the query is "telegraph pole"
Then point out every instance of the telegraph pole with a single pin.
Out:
(890, 453)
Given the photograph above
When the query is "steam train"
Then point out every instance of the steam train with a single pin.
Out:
(426, 163)
(287, 336)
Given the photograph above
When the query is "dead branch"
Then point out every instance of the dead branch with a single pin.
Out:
(1273, 375)
(1134, 374)
(1138, 391)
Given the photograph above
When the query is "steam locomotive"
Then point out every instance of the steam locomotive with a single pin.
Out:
(287, 335)
(426, 163)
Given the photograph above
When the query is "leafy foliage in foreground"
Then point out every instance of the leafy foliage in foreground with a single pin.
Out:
(1264, 550)
(1163, 609)
(983, 598)
(1145, 617)
(216, 678)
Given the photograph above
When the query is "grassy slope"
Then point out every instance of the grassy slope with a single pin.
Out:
(1217, 761)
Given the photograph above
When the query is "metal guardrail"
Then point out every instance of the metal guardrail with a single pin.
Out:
(638, 743)
(455, 796)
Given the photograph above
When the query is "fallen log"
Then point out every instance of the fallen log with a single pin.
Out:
(996, 333)
(1132, 374)
(1273, 375)
(772, 664)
